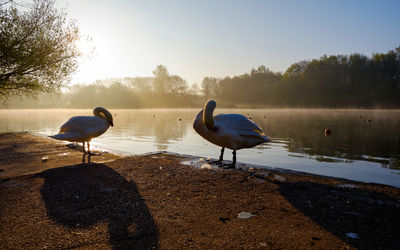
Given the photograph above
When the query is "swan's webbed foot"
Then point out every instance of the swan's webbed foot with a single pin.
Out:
(233, 164)
(228, 166)
(90, 153)
(225, 165)
(220, 161)
(94, 153)
(216, 162)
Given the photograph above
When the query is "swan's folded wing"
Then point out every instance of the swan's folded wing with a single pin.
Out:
(240, 125)
(235, 122)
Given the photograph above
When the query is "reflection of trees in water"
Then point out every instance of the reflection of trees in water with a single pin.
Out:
(164, 125)
(353, 137)
(37, 120)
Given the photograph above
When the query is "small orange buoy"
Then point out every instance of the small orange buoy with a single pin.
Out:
(328, 132)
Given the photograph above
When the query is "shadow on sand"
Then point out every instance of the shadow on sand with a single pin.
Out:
(80, 196)
(372, 216)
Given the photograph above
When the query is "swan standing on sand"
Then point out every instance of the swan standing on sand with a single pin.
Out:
(84, 128)
(233, 131)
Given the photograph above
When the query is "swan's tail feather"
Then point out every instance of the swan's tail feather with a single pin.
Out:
(255, 134)
(58, 136)
(261, 138)
(64, 137)
(262, 135)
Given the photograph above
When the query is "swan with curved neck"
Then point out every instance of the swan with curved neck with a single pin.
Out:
(208, 118)
(84, 128)
(233, 131)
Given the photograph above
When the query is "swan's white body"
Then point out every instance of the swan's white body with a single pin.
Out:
(84, 128)
(233, 131)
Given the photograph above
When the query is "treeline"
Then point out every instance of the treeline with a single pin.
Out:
(161, 90)
(332, 81)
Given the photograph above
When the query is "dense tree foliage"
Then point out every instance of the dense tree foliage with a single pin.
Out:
(331, 81)
(37, 48)
(249, 89)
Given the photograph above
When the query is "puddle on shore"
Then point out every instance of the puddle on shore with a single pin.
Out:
(199, 163)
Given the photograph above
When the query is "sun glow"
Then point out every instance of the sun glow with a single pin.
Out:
(219, 38)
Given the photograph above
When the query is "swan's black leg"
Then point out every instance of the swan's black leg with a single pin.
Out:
(83, 158)
(90, 153)
(233, 161)
(221, 156)
(85, 153)
(228, 166)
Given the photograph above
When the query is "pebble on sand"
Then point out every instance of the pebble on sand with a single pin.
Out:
(352, 235)
(245, 215)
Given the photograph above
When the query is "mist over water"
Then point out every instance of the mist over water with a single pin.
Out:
(364, 144)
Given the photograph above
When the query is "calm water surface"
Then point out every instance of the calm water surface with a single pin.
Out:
(358, 149)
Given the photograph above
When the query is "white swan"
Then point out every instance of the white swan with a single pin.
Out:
(233, 131)
(84, 128)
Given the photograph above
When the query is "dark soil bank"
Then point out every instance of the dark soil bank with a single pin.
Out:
(154, 201)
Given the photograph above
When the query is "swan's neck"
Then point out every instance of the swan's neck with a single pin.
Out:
(99, 113)
(103, 113)
(208, 118)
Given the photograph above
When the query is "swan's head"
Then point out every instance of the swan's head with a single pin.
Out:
(104, 113)
(208, 118)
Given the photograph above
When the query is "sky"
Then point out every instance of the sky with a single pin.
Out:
(219, 38)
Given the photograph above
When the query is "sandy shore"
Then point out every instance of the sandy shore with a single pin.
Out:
(49, 199)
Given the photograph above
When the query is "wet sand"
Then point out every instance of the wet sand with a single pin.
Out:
(49, 199)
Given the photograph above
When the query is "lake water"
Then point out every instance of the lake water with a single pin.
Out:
(364, 144)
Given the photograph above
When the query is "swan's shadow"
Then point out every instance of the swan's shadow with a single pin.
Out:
(83, 195)
(373, 216)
